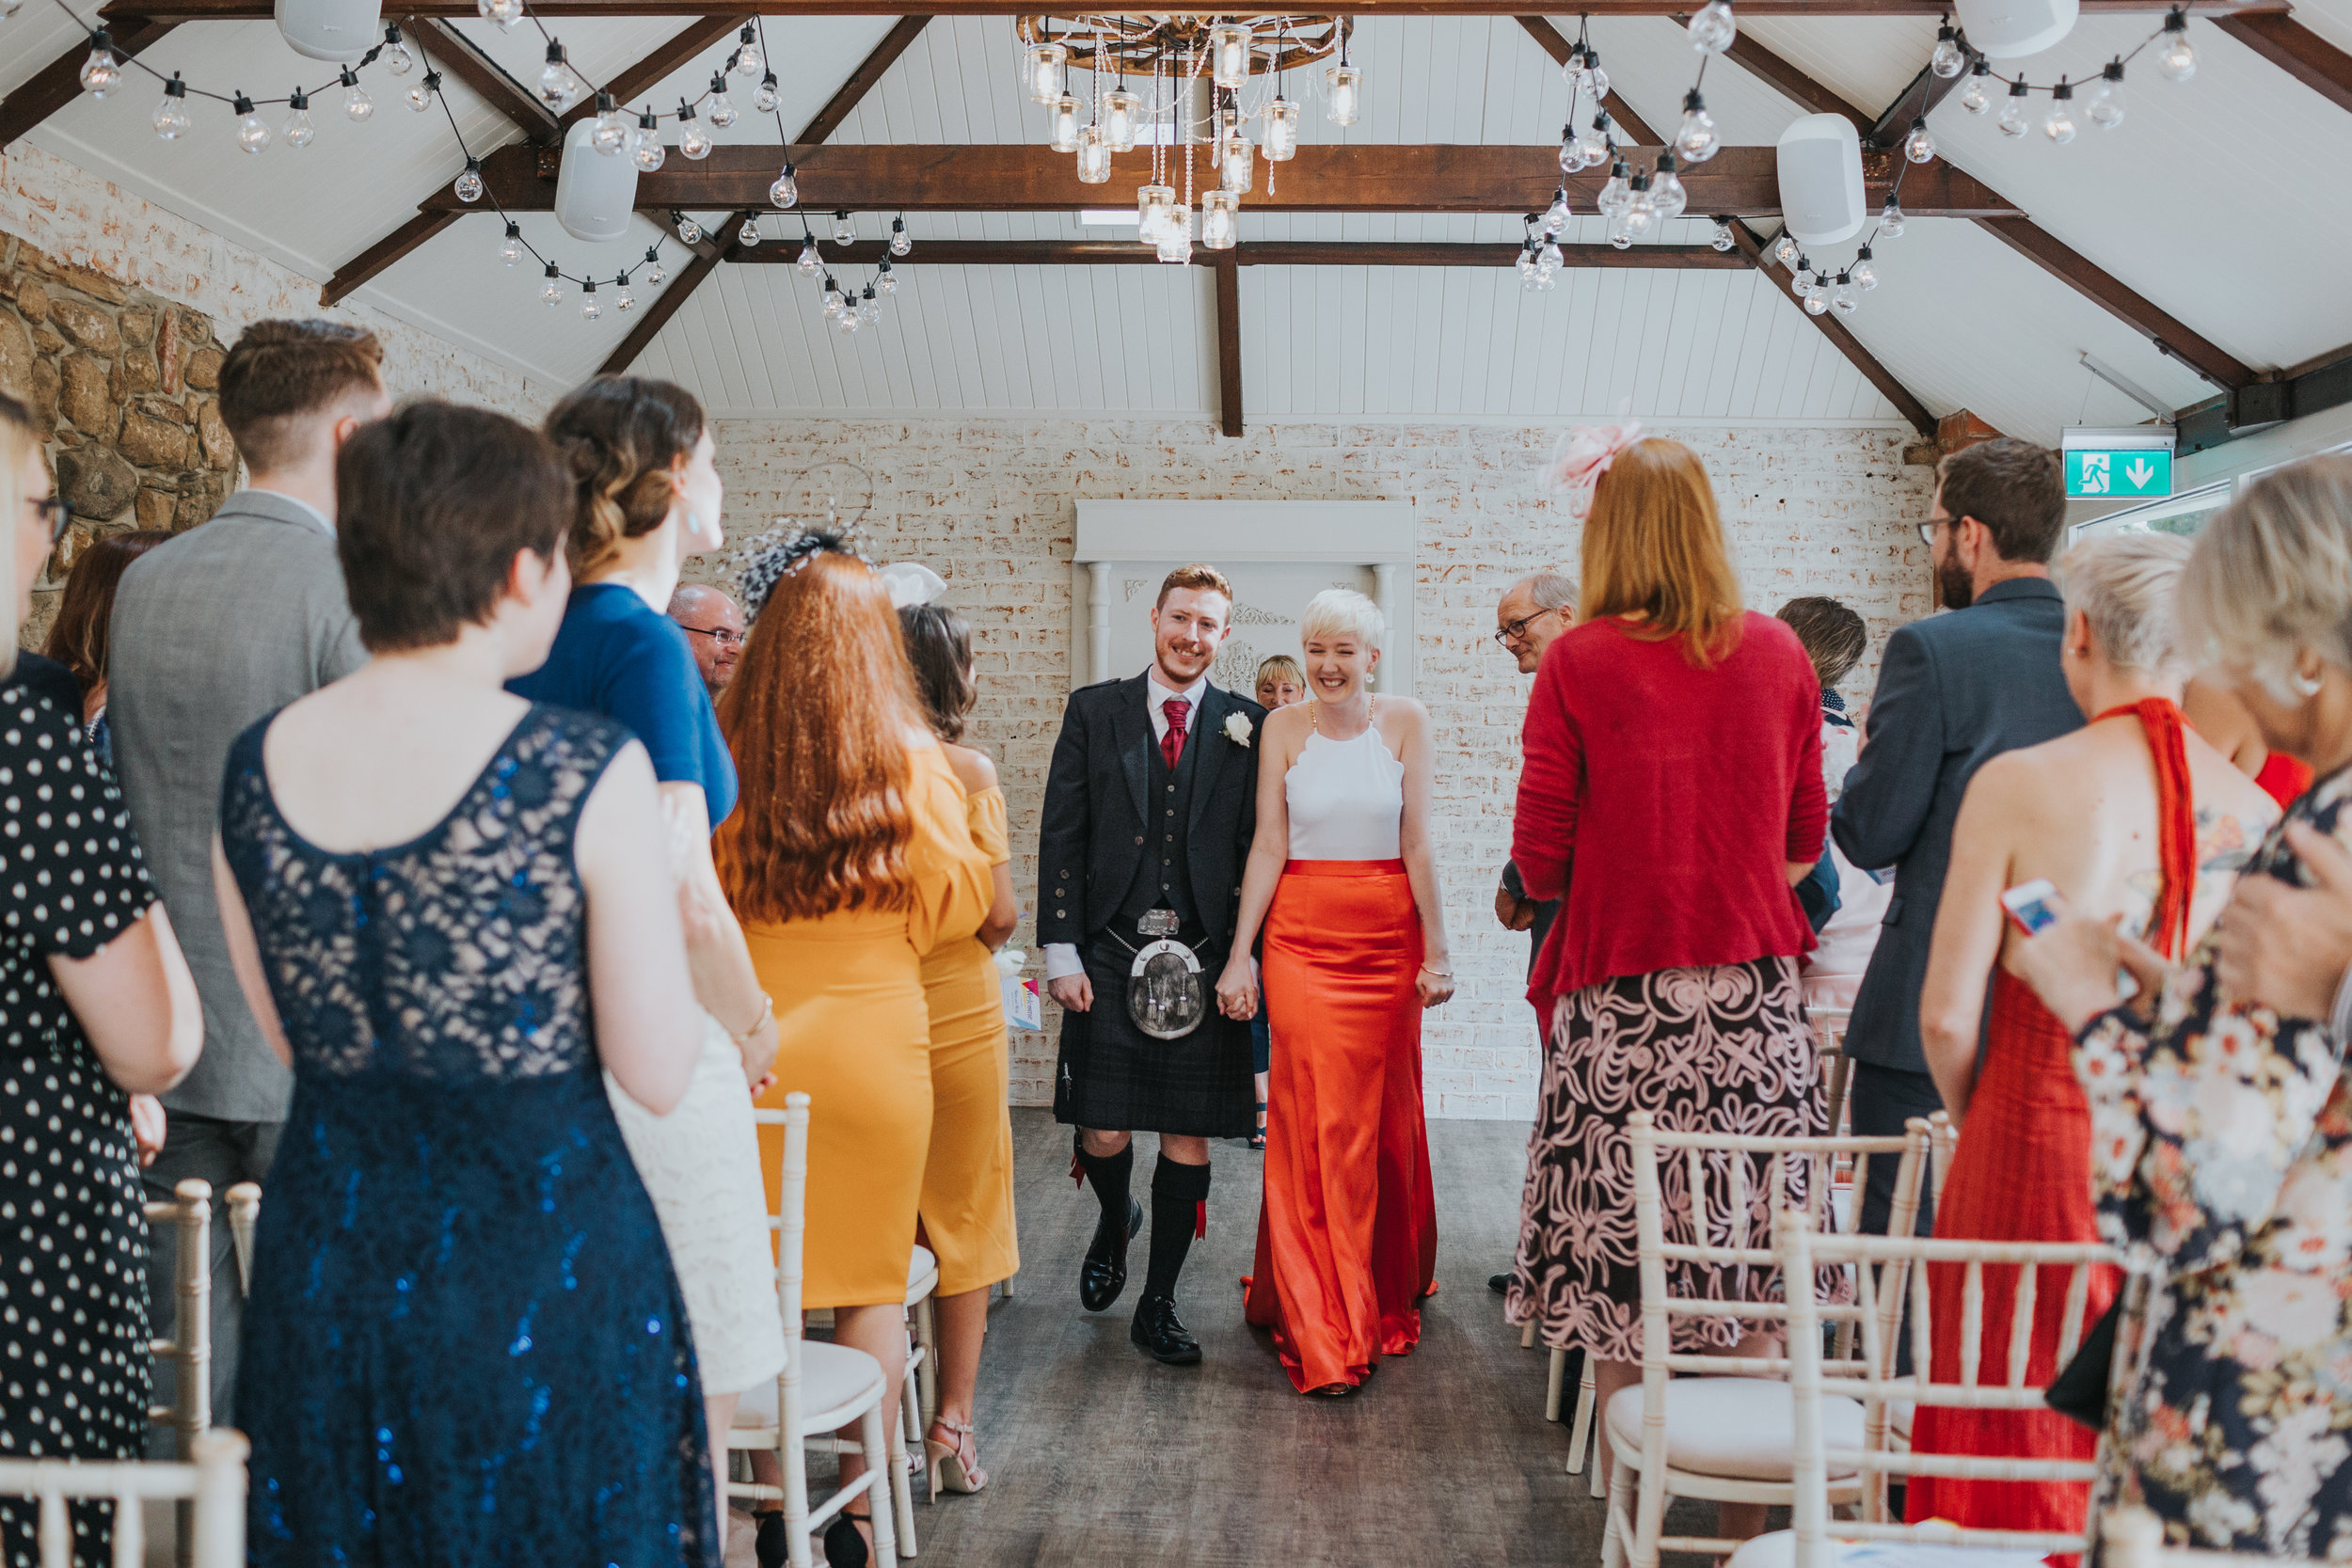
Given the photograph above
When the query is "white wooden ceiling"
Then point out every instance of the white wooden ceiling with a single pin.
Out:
(2227, 200)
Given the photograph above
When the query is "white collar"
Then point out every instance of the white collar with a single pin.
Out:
(1160, 692)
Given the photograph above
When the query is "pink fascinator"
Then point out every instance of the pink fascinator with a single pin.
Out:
(1582, 456)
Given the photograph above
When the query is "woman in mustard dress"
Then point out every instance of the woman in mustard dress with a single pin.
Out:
(967, 1181)
(847, 860)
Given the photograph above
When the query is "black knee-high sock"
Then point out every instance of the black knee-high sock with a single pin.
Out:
(1180, 1196)
(1109, 1174)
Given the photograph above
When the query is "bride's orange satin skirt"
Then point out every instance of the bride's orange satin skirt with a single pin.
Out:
(1347, 1238)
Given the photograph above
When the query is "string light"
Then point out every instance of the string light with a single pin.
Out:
(1919, 146)
(552, 296)
(645, 147)
(693, 143)
(1976, 100)
(843, 229)
(1950, 59)
(1865, 276)
(689, 231)
(512, 251)
(589, 309)
(655, 277)
(1720, 239)
(718, 104)
(622, 299)
(810, 263)
(886, 279)
(784, 192)
(901, 244)
(421, 96)
(2105, 103)
(468, 187)
(558, 84)
(610, 135)
(1713, 28)
(1697, 139)
(171, 115)
(749, 60)
(396, 56)
(2013, 121)
(750, 237)
(764, 99)
(1666, 193)
(1891, 219)
(252, 135)
(300, 131)
(102, 72)
(2060, 125)
(2175, 60)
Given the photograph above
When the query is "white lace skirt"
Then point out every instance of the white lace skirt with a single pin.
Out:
(701, 1163)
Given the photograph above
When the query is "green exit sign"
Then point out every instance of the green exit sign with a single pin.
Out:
(2133, 473)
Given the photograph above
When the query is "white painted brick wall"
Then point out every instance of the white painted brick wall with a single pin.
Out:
(79, 217)
(988, 502)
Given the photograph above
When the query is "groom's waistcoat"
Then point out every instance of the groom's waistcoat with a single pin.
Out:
(1162, 874)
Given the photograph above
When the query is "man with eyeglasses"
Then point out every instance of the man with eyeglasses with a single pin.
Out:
(714, 629)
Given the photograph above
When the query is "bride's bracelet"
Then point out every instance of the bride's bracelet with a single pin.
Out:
(1441, 974)
(767, 1011)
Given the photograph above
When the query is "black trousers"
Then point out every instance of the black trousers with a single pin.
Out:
(223, 1153)
(1882, 1098)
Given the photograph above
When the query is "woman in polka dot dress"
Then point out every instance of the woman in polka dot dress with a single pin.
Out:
(95, 1005)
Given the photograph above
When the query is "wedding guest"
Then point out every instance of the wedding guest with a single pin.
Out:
(645, 496)
(2133, 815)
(447, 907)
(1953, 692)
(211, 629)
(1835, 639)
(2224, 721)
(714, 628)
(1340, 880)
(77, 639)
(1279, 684)
(2289, 948)
(96, 1006)
(966, 1205)
(2224, 1142)
(849, 861)
(1667, 706)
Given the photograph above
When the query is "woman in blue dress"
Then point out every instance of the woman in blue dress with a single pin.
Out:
(449, 908)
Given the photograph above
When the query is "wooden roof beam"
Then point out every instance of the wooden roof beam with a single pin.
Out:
(1259, 253)
(2298, 50)
(664, 305)
(1752, 250)
(382, 254)
(1555, 44)
(1225, 268)
(247, 10)
(670, 56)
(59, 82)
(443, 45)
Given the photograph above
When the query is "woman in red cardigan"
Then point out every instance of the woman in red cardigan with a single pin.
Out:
(1672, 794)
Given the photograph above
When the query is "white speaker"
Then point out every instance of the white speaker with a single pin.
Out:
(594, 194)
(1821, 199)
(2006, 29)
(338, 30)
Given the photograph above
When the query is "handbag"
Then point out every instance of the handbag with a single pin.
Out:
(2082, 1390)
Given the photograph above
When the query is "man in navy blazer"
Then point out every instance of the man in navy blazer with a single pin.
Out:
(1953, 691)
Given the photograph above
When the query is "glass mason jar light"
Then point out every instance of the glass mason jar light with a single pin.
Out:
(1094, 156)
(1044, 64)
(1065, 139)
(1153, 205)
(1122, 110)
(1237, 168)
(1343, 89)
(1221, 221)
(1175, 240)
(1282, 131)
(1229, 56)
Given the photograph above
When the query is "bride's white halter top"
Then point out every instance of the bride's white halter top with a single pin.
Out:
(1346, 800)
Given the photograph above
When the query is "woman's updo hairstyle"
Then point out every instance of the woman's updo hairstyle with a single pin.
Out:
(620, 433)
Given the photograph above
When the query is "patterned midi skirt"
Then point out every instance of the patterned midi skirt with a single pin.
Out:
(1723, 1048)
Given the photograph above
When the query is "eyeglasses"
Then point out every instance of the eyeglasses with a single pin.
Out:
(1927, 531)
(1515, 631)
(52, 510)
(724, 637)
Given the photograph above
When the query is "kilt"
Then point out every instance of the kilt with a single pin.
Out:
(1115, 1078)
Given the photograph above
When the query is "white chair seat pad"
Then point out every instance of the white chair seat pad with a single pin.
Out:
(835, 1383)
(1738, 1428)
(922, 1274)
(1779, 1550)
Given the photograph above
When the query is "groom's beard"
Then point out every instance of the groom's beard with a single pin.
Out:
(1955, 589)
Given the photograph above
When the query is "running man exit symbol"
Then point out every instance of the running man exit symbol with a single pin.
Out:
(2103, 474)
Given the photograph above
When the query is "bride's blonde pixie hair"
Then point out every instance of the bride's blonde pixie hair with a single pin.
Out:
(1342, 612)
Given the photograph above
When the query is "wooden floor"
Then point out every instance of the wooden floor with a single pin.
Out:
(1101, 1456)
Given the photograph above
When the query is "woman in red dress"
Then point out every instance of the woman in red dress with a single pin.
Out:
(2134, 816)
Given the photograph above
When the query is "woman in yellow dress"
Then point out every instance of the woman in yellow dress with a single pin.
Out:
(847, 860)
(967, 1181)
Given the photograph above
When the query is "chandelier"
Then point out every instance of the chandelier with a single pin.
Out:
(1076, 68)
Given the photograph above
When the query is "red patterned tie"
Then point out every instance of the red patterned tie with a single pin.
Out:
(1172, 743)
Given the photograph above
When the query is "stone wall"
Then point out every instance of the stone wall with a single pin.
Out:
(989, 503)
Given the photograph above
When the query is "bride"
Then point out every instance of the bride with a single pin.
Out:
(1340, 879)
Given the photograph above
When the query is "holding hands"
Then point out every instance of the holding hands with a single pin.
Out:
(1237, 989)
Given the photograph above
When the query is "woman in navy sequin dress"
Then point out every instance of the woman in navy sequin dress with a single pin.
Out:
(465, 1343)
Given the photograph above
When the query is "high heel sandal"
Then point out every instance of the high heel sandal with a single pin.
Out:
(771, 1545)
(1257, 1140)
(845, 1548)
(955, 1466)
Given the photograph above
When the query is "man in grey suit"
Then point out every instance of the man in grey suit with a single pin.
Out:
(212, 631)
(1953, 691)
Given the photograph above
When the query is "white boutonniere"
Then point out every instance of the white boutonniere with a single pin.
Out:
(1237, 729)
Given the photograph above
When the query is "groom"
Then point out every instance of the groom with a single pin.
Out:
(1149, 812)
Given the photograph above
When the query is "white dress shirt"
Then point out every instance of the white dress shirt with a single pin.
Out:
(1061, 957)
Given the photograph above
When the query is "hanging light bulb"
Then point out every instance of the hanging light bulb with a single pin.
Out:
(1891, 219)
(1864, 274)
(558, 84)
(1175, 243)
(1545, 278)
(1817, 303)
(172, 116)
(748, 61)
(749, 235)
(1618, 192)
(886, 279)
(1619, 235)
(1065, 136)
(832, 300)
(102, 72)
(511, 251)
(719, 108)
(1784, 250)
(1596, 79)
(764, 97)
(1154, 204)
(1229, 56)
(623, 300)
(1919, 146)
(2059, 125)
(1548, 256)
(1042, 70)
(1094, 156)
(1556, 216)
(421, 96)
(397, 59)
(1121, 109)
(506, 13)
(1802, 283)
(645, 148)
(2105, 103)
(845, 321)
(844, 229)
(2175, 60)
(2013, 121)
(1220, 226)
(467, 186)
(589, 309)
(810, 263)
(1697, 139)
(1344, 93)
(1641, 208)
(693, 140)
(1712, 29)
(689, 231)
(868, 307)
(1570, 158)
(1666, 189)
(1527, 260)
(357, 105)
(1720, 239)
(1239, 165)
(1950, 59)
(552, 296)
(1282, 132)
(784, 191)
(901, 242)
(1843, 298)
(300, 131)
(610, 135)
(655, 277)
(252, 135)
(1978, 100)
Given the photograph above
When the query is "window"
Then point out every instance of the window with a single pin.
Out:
(2185, 515)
